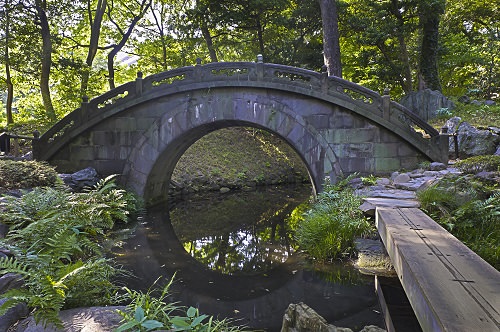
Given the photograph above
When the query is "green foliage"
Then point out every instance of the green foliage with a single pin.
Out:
(147, 312)
(331, 225)
(55, 236)
(470, 210)
(26, 174)
(369, 180)
(476, 164)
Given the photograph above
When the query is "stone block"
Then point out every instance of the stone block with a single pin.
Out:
(386, 150)
(359, 135)
(387, 165)
(319, 121)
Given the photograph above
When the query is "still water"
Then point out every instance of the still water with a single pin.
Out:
(234, 256)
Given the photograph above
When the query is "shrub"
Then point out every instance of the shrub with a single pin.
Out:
(55, 237)
(470, 210)
(26, 174)
(476, 164)
(331, 225)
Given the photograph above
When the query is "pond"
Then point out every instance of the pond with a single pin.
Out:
(234, 256)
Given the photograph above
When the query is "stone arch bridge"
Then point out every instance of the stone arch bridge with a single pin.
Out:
(142, 128)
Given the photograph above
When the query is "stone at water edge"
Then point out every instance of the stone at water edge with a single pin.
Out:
(401, 178)
(92, 319)
(302, 318)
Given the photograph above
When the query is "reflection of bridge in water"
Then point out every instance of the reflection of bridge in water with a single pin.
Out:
(141, 128)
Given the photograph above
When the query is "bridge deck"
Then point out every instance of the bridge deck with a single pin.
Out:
(449, 287)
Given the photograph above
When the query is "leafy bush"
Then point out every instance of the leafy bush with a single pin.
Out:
(26, 174)
(470, 210)
(476, 164)
(331, 225)
(55, 237)
(148, 313)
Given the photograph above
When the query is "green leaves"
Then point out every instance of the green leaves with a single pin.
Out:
(140, 321)
(55, 236)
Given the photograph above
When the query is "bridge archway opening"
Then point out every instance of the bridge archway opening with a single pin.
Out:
(171, 162)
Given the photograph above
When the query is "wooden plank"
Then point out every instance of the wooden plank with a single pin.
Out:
(449, 286)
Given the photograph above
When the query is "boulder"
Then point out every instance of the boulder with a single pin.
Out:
(452, 124)
(12, 315)
(426, 103)
(301, 318)
(475, 142)
(436, 166)
(401, 178)
(87, 177)
(93, 319)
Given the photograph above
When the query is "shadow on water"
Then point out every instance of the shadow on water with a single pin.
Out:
(234, 256)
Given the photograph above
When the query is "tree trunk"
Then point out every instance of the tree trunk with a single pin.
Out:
(430, 12)
(407, 82)
(260, 35)
(117, 48)
(8, 78)
(331, 44)
(208, 40)
(46, 60)
(95, 31)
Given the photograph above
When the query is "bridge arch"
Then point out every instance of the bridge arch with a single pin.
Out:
(141, 128)
(153, 158)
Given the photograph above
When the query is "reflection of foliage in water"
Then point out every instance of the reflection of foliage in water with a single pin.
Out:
(244, 233)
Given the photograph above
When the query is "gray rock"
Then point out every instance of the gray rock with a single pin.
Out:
(435, 166)
(390, 202)
(10, 281)
(368, 209)
(401, 178)
(476, 102)
(224, 190)
(84, 178)
(452, 124)
(426, 103)
(489, 102)
(475, 142)
(12, 315)
(383, 181)
(372, 328)
(93, 319)
(301, 318)
(497, 153)
(488, 176)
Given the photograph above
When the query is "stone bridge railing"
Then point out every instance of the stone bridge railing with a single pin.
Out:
(376, 107)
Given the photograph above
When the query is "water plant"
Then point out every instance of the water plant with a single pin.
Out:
(333, 222)
(147, 312)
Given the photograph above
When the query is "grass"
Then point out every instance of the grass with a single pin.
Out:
(477, 115)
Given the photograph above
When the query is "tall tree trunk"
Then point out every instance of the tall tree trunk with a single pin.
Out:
(407, 82)
(145, 4)
(95, 31)
(46, 59)
(331, 44)
(260, 35)
(8, 78)
(208, 40)
(430, 12)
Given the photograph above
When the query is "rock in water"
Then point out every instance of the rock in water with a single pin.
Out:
(301, 318)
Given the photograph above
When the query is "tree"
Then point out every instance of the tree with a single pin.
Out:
(135, 10)
(46, 56)
(95, 24)
(331, 43)
(430, 12)
(8, 79)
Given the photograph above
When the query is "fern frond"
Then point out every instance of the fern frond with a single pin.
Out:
(12, 265)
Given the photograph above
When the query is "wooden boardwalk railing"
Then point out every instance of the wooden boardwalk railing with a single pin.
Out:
(449, 287)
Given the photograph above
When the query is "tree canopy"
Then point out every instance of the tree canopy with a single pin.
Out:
(52, 53)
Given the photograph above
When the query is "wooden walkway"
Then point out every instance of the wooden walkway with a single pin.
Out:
(450, 288)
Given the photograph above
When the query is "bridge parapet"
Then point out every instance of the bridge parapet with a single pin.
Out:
(366, 102)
